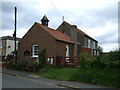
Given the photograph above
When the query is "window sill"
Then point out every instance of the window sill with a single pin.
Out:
(34, 57)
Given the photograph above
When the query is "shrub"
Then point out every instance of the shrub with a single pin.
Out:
(23, 64)
(114, 57)
(40, 62)
(42, 57)
(85, 60)
(17, 66)
(37, 63)
(112, 60)
(100, 62)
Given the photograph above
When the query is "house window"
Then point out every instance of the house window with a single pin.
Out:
(50, 60)
(88, 43)
(93, 45)
(67, 50)
(85, 42)
(94, 52)
(35, 50)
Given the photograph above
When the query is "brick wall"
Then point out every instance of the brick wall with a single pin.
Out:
(61, 49)
(36, 35)
(84, 50)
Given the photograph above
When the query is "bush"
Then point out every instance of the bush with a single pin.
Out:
(23, 64)
(114, 57)
(85, 60)
(40, 62)
(100, 62)
(112, 60)
(17, 66)
(42, 58)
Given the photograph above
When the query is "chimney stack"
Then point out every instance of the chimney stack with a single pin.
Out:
(74, 38)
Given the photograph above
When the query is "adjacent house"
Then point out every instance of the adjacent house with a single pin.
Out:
(7, 45)
(85, 40)
(66, 41)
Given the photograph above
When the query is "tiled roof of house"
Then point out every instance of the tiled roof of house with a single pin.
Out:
(57, 34)
(80, 31)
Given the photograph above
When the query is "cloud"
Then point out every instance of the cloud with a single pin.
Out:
(6, 32)
(97, 18)
(108, 38)
(110, 47)
(7, 16)
(81, 4)
(25, 15)
(109, 34)
(84, 17)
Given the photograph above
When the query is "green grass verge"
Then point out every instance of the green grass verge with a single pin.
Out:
(58, 73)
(110, 78)
(92, 75)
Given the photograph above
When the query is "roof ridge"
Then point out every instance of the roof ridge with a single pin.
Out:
(52, 29)
(80, 31)
(60, 32)
(56, 34)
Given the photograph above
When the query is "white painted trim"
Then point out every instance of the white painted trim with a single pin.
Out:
(89, 43)
(33, 51)
(67, 50)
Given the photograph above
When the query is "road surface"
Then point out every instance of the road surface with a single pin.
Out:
(15, 79)
(10, 81)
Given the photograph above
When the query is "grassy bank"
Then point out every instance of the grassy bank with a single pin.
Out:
(96, 76)
(92, 75)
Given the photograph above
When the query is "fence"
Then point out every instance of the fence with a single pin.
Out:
(67, 61)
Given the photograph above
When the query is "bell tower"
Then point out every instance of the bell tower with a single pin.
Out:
(44, 21)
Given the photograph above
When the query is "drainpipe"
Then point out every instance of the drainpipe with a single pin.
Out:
(92, 49)
(74, 38)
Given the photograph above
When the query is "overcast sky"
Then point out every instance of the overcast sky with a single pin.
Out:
(97, 18)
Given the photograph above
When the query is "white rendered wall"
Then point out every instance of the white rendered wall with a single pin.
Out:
(10, 46)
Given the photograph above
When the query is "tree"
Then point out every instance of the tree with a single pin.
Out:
(100, 49)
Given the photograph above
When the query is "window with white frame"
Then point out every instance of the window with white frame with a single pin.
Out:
(85, 42)
(93, 45)
(88, 43)
(34, 50)
(67, 50)
(50, 60)
(95, 52)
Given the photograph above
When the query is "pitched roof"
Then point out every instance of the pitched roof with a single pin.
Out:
(45, 18)
(57, 34)
(80, 31)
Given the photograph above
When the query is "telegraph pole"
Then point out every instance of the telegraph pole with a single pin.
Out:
(15, 35)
